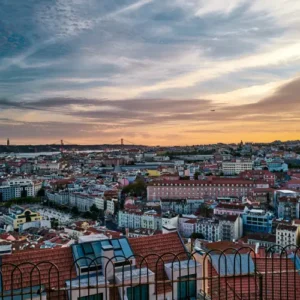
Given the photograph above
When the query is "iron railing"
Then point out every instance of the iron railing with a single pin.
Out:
(207, 275)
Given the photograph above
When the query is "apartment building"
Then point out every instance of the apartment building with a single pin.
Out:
(257, 220)
(61, 197)
(230, 209)
(82, 201)
(18, 215)
(287, 235)
(44, 167)
(22, 187)
(137, 219)
(236, 167)
(187, 227)
(7, 192)
(231, 227)
(181, 206)
(209, 228)
(288, 208)
(263, 175)
(198, 189)
(111, 206)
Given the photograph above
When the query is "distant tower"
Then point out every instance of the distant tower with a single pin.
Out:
(8, 142)
(62, 146)
(122, 142)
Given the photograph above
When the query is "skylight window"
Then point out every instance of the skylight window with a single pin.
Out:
(84, 252)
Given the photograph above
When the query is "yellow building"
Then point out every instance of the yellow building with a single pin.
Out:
(19, 215)
(153, 173)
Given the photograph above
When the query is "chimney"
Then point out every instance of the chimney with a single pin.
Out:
(107, 262)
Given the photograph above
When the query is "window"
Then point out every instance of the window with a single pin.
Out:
(92, 297)
(138, 292)
(186, 289)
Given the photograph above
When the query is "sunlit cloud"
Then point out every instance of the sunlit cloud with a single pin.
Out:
(205, 71)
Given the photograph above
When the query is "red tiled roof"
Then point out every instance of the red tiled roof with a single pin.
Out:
(60, 258)
(280, 281)
(232, 206)
(114, 234)
(212, 181)
(158, 245)
(267, 237)
(294, 181)
(226, 245)
(296, 222)
(191, 221)
(287, 227)
(230, 218)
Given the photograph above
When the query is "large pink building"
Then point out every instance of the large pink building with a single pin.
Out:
(199, 189)
(264, 175)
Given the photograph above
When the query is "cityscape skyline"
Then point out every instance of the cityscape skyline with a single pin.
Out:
(123, 142)
(154, 72)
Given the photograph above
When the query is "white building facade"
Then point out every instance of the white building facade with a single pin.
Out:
(236, 167)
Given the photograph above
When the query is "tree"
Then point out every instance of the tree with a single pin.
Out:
(94, 209)
(54, 223)
(204, 211)
(137, 188)
(87, 215)
(196, 175)
(94, 216)
(196, 235)
(8, 204)
(75, 211)
(41, 192)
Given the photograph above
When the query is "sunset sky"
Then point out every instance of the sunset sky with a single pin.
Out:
(149, 71)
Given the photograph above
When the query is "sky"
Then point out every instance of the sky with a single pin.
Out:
(154, 72)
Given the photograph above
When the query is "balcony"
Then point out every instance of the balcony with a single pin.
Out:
(229, 274)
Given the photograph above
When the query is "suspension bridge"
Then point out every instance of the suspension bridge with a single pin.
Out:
(121, 142)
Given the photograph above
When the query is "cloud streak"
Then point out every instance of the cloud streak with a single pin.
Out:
(134, 66)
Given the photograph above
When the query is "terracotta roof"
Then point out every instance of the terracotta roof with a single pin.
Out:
(158, 245)
(287, 227)
(60, 258)
(232, 206)
(230, 218)
(191, 221)
(226, 245)
(280, 281)
(212, 181)
(265, 237)
(289, 199)
(294, 181)
(114, 234)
